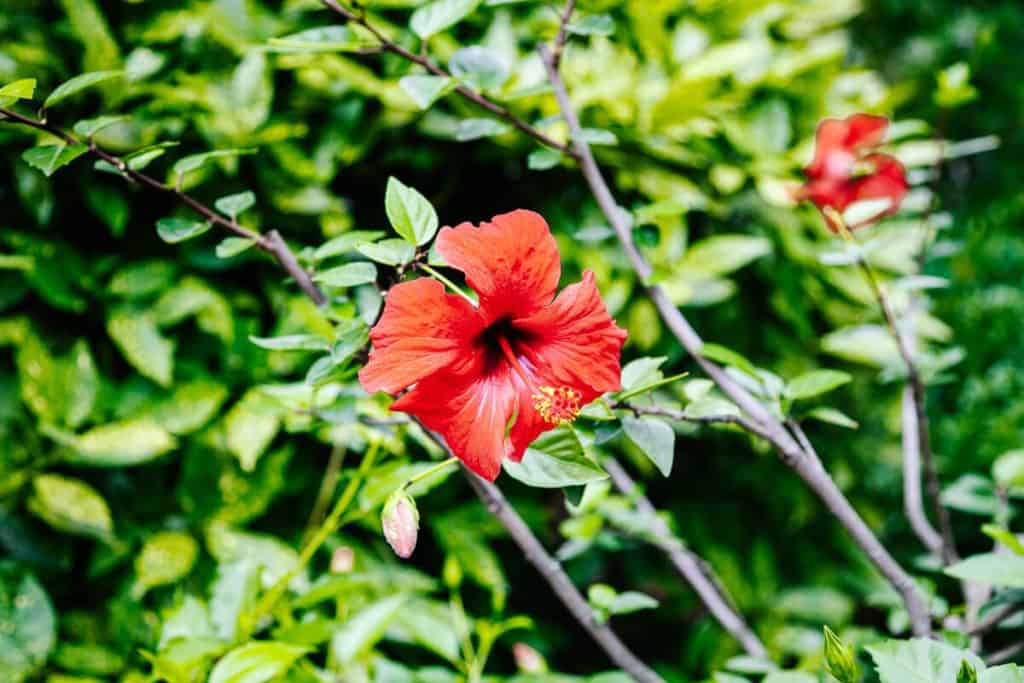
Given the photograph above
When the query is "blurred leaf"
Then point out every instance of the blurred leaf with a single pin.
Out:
(78, 84)
(348, 275)
(425, 89)
(139, 339)
(365, 628)
(816, 382)
(30, 624)
(438, 15)
(251, 425)
(833, 417)
(50, 158)
(22, 89)
(924, 660)
(479, 67)
(391, 252)
(165, 558)
(321, 39)
(196, 161)
(72, 506)
(474, 129)
(234, 204)
(997, 569)
(174, 230)
(256, 662)
(122, 444)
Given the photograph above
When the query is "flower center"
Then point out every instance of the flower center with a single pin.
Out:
(555, 405)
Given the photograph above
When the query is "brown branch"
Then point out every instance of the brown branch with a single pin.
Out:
(806, 465)
(994, 618)
(563, 33)
(1005, 655)
(690, 566)
(389, 45)
(947, 549)
(552, 572)
(680, 416)
(271, 243)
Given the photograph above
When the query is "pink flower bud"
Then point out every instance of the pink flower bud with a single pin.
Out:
(342, 561)
(400, 521)
(528, 660)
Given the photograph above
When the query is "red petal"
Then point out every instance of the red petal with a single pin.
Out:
(572, 343)
(889, 181)
(837, 142)
(422, 330)
(512, 262)
(471, 414)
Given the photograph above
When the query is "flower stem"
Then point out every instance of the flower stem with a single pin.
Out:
(430, 471)
(451, 285)
(329, 526)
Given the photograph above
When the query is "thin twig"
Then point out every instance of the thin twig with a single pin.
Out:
(995, 617)
(680, 416)
(271, 243)
(808, 467)
(913, 498)
(947, 548)
(1005, 655)
(690, 566)
(389, 45)
(563, 33)
(553, 573)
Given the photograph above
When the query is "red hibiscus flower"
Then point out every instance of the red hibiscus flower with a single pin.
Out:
(846, 171)
(490, 378)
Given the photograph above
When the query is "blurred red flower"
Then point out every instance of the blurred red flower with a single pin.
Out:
(846, 171)
(490, 378)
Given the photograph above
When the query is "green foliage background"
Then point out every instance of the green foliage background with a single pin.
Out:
(158, 470)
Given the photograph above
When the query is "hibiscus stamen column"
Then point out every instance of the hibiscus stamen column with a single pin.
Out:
(556, 405)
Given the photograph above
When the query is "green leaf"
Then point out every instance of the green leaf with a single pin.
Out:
(173, 230)
(293, 342)
(88, 658)
(723, 254)
(817, 382)
(232, 246)
(365, 628)
(427, 623)
(593, 25)
(439, 15)
(72, 506)
(346, 242)
(90, 127)
(50, 158)
(256, 662)
(654, 437)
(425, 89)
(30, 624)
(555, 460)
(1007, 673)
(78, 84)
(139, 339)
(1008, 470)
(411, 215)
(22, 89)
(711, 406)
(997, 569)
(137, 160)
(234, 591)
(166, 557)
(122, 444)
(543, 159)
(833, 417)
(866, 344)
(251, 425)
(234, 204)
(348, 275)
(919, 661)
(597, 136)
(479, 68)
(391, 252)
(475, 129)
(631, 601)
(321, 39)
(196, 161)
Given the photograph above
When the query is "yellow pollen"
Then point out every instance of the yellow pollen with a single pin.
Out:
(557, 405)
